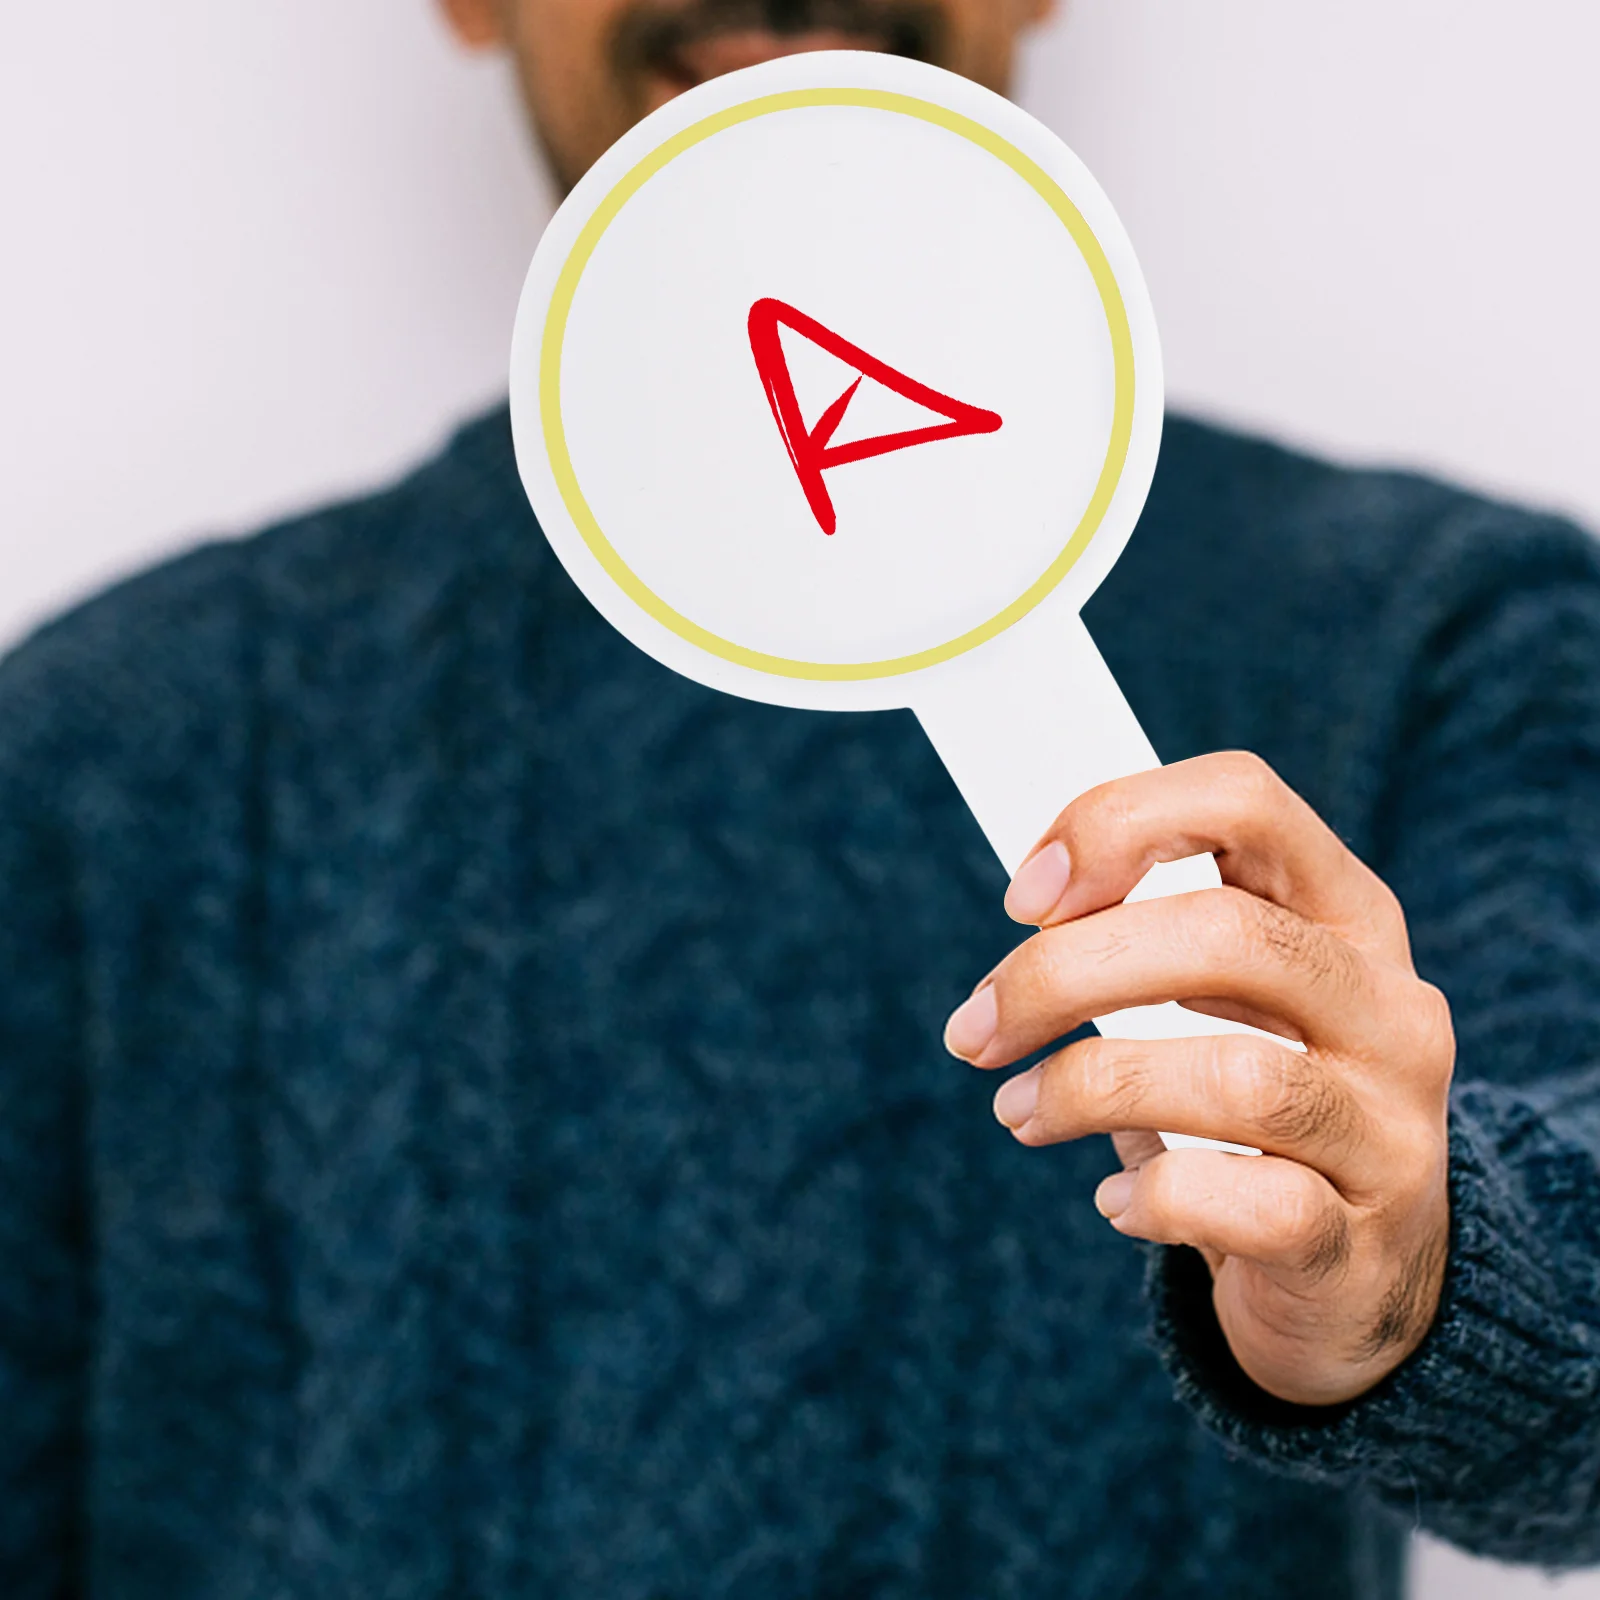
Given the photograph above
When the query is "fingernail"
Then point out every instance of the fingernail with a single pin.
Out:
(1039, 885)
(1018, 1099)
(1115, 1195)
(968, 1032)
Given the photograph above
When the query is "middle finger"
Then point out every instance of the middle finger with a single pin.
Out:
(1219, 944)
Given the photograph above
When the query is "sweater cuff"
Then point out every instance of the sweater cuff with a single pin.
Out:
(1508, 1368)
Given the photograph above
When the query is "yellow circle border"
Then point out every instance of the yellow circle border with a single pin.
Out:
(555, 342)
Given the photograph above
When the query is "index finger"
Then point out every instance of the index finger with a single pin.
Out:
(1266, 839)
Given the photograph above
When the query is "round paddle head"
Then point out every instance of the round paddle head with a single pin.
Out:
(829, 373)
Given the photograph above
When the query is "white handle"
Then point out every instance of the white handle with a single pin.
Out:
(1026, 725)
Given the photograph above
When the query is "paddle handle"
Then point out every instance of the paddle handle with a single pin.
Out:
(1027, 724)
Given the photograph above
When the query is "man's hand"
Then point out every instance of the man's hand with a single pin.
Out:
(1327, 1251)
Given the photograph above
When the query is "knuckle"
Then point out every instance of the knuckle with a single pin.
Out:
(1215, 924)
(1104, 814)
(1288, 939)
(1117, 1081)
(1252, 779)
(1232, 927)
(1039, 974)
(1291, 1099)
(1303, 1226)
(1435, 1046)
(1164, 1189)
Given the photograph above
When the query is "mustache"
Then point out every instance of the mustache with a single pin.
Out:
(649, 37)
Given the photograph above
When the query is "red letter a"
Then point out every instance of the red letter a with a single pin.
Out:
(811, 450)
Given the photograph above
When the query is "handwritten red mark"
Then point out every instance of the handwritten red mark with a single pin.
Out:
(811, 450)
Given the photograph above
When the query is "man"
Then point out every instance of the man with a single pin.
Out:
(471, 1114)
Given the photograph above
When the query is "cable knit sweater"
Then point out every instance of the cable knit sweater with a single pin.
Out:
(473, 1120)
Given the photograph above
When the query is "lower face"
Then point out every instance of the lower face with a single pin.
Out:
(590, 69)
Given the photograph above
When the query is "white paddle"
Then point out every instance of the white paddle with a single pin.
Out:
(836, 384)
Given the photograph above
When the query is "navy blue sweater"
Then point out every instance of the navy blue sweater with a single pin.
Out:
(473, 1120)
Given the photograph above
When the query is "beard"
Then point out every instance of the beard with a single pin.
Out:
(654, 35)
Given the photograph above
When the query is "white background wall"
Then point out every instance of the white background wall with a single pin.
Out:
(259, 253)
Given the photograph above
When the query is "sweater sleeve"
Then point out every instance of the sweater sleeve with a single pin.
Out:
(43, 1284)
(1489, 1435)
